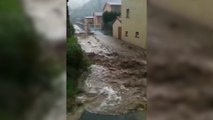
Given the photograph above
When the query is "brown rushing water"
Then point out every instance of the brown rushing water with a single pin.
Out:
(116, 83)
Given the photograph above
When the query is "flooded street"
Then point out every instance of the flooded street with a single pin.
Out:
(116, 83)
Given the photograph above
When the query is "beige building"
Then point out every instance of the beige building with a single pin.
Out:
(197, 10)
(97, 19)
(112, 6)
(134, 22)
(88, 21)
(117, 29)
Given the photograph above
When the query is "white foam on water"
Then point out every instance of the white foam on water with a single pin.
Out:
(95, 84)
(112, 99)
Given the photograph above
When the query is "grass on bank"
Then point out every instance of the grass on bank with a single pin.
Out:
(76, 65)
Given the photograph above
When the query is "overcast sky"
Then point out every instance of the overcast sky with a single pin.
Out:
(76, 3)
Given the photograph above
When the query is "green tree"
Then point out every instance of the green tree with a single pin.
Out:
(110, 16)
(76, 64)
(108, 19)
(70, 28)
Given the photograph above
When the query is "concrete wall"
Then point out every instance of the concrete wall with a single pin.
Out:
(136, 22)
(116, 24)
(197, 10)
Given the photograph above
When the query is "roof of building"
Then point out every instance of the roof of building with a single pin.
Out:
(98, 13)
(113, 3)
(89, 17)
(118, 19)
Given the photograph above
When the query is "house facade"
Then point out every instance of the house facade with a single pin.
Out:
(112, 6)
(117, 32)
(88, 21)
(97, 20)
(133, 15)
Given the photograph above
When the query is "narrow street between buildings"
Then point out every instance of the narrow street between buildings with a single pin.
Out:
(116, 81)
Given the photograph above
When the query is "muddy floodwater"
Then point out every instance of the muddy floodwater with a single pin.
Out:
(116, 81)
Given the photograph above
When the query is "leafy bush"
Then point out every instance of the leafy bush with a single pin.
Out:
(108, 20)
(18, 48)
(75, 55)
(76, 64)
(21, 71)
(110, 16)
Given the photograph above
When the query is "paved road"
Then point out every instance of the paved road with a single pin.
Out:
(131, 116)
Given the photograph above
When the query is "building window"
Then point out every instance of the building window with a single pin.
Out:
(127, 13)
(137, 34)
(126, 34)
